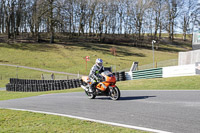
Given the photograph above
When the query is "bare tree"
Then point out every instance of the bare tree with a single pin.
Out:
(134, 17)
(2, 15)
(173, 10)
(140, 7)
(157, 7)
(82, 16)
(91, 14)
(188, 14)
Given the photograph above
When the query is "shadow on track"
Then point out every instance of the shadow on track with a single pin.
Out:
(135, 97)
(126, 98)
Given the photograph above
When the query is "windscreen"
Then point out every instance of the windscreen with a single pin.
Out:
(107, 73)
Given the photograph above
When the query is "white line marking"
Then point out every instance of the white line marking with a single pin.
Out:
(93, 120)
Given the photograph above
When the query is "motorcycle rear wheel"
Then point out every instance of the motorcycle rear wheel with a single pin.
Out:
(90, 95)
(115, 93)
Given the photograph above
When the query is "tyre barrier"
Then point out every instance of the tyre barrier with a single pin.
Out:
(120, 76)
(27, 85)
(24, 85)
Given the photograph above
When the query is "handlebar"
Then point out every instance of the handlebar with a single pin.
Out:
(99, 78)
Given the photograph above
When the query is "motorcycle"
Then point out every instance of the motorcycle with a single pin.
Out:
(105, 86)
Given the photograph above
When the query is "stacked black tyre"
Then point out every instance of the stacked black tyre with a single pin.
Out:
(116, 75)
(25, 85)
(120, 76)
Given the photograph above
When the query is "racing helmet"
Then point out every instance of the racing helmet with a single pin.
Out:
(99, 62)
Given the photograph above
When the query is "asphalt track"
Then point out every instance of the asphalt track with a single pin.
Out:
(171, 111)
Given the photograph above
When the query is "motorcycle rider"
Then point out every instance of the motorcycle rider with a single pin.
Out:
(95, 72)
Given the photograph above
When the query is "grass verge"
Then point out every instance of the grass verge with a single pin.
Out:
(173, 83)
(28, 122)
(6, 95)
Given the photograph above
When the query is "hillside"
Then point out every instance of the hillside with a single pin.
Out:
(68, 56)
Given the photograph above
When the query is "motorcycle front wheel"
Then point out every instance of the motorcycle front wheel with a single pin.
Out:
(90, 95)
(115, 93)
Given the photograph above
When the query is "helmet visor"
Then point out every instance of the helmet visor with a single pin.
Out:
(99, 64)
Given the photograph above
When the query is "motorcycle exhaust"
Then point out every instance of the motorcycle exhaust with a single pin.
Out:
(85, 88)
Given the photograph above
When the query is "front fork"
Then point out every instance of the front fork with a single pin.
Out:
(85, 87)
(111, 88)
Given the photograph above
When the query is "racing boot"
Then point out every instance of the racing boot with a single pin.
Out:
(91, 89)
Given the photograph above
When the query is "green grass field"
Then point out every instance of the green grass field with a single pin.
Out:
(173, 83)
(69, 57)
(27, 122)
(6, 95)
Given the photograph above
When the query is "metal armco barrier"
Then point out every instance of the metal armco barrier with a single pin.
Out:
(146, 74)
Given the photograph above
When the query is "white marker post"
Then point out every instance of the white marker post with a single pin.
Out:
(153, 41)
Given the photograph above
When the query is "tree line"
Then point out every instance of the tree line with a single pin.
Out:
(92, 17)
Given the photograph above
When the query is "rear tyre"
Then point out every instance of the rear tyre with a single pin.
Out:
(90, 95)
(115, 93)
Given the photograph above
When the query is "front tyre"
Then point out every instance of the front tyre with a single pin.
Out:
(115, 93)
(90, 95)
